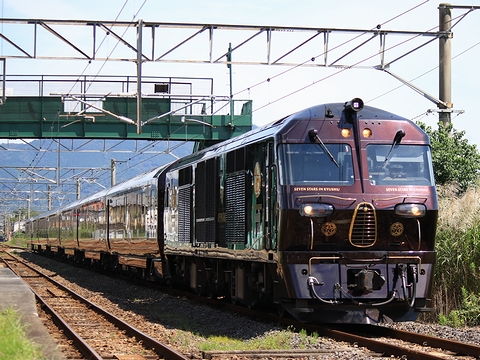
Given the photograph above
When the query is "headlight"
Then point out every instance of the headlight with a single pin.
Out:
(411, 210)
(316, 210)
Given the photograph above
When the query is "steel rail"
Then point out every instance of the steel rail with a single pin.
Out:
(159, 348)
(374, 345)
(377, 346)
(79, 343)
(352, 334)
(458, 347)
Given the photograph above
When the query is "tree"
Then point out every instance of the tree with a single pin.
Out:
(455, 161)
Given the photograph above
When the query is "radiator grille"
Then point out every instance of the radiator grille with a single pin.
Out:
(235, 198)
(363, 228)
(184, 214)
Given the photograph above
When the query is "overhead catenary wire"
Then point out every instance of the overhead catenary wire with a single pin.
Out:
(460, 17)
(425, 73)
(36, 160)
(269, 79)
(302, 88)
(284, 72)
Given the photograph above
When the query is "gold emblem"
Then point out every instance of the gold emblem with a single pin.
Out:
(257, 180)
(329, 229)
(396, 229)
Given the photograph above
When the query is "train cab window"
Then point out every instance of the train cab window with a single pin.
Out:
(401, 165)
(309, 164)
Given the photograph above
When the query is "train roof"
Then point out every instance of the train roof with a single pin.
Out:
(134, 182)
(328, 111)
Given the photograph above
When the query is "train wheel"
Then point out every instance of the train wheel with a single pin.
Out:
(280, 310)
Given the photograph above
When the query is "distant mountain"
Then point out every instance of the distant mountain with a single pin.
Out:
(27, 168)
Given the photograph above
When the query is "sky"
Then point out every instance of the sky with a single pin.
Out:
(292, 88)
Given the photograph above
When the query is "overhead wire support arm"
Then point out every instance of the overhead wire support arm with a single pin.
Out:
(156, 52)
(383, 66)
(354, 49)
(109, 31)
(432, 98)
(241, 44)
(172, 111)
(183, 42)
(119, 117)
(48, 28)
(16, 46)
(296, 47)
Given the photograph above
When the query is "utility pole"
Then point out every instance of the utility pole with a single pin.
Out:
(49, 198)
(229, 65)
(29, 208)
(139, 76)
(445, 62)
(113, 172)
(79, 185)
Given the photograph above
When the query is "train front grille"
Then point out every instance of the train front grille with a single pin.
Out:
(363, 227)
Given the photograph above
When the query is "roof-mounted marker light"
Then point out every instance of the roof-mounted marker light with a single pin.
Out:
(366, 133)
(346, 132)
(355, 105)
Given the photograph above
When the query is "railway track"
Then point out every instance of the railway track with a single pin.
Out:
(379, 341)
(96, 333)
(386, 341)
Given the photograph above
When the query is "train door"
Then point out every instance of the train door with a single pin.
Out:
(250, 197)
(178, 214)
(271, 211)
(257, 160)
(117, 224)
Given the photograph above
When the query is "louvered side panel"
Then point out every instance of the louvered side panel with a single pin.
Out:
(185, 214)
(235, 199)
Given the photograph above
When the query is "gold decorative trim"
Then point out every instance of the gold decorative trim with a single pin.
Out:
(257, 180)
(329, 228)
(363, 227)
(396, 229)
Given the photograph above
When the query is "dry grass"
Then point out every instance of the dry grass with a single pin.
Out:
(462, 212)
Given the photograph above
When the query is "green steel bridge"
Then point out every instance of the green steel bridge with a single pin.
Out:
(68, 107)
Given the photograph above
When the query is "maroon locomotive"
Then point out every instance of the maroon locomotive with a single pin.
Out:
(329, 214)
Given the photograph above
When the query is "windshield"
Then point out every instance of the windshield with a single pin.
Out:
(309, 164)
(406, 165)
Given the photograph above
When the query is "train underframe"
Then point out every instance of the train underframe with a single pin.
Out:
(245, 282)
(356, 294)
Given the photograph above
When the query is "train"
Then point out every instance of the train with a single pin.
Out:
(327, 215)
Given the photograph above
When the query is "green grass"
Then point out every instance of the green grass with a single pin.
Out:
(19, 240)
(14, 344)
(274, 341)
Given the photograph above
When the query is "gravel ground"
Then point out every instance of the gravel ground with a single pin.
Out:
(469, 335)
(187, 326)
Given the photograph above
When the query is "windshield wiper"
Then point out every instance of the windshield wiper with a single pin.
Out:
(396, 140)
(314, 137)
